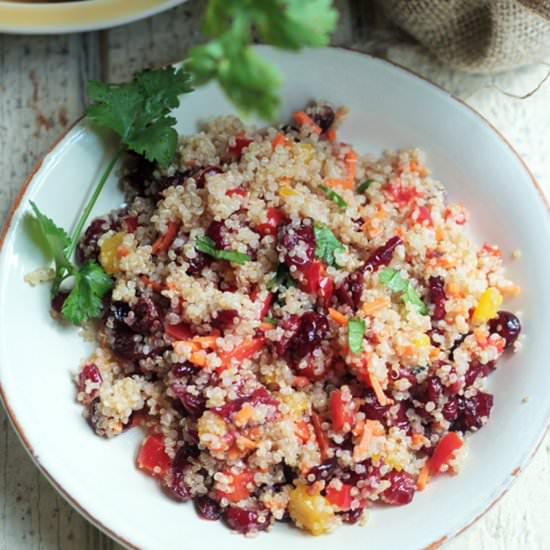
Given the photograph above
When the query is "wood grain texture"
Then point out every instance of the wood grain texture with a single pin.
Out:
(42, 89)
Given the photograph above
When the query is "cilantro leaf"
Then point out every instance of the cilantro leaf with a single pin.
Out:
(362, 187)
(137, 111)
(55, 238)
(356, 332)
(282, 278)
(84, 301)
(396, 283)
(206, 244)
(271, 321)
(334, 197)
(326, 244)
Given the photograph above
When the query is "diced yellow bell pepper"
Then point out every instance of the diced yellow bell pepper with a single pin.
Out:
(297, 402)
(108, 256)
(285, 192)
(488, 305)
(310, 512)
(422, 341)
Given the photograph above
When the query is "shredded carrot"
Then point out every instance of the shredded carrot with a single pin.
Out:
(337, 316)
(322, 440)
(351, 163)
(300, 381)
(198, 358)
(439, 233)
(357, 430)
(399, 231)
(241, 352)
(362, 446)
(417, 439)
(303, 119)
(155, 285)
(122, 251)
(453, 290)
(369, 308)
(370, 228)
(423, 477)
(234, 453)
(245, 443)
(302, 431)
(279, 139)
(509, 290)
(244, 414)
(413, 166)
(378, 391)
(480, 336)
(330, 134)
(206, 341)
(344, 184)
(162, 244)
(266, 326)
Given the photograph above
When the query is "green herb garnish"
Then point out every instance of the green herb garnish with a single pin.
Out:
(334, 197)
(206, 244)
(393, 280)
(362, 187)
(271, 321)
(249, 81)
(356, 332)
(282, 278)
(138, 112)
(326, 244)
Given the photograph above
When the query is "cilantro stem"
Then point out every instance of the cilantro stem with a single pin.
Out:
(93, 199)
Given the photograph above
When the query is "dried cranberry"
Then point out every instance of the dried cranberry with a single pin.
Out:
(218, 232)
(146, 317)
(260, 396)
(58, 300)
(140, 172)
(324, 117)
(353, 516)
(290, 325)
(433, 332)
(193, 404)
(383, 254)
(297, 243)
(180, 465)
(349, 292)
(402, 488)
(399, 417)
(207, 508)
(372, 408)
(507, 325)
(244, 521)
(474, 409)
(87, 248)
(324, 471)
(225, 319)
(183, 369)
(200, 174)
(311, 332)
(456, 344)
(89, 373)
(93, 416)
(477, 369)
(430, 390)
(437, 296)
(451, 409)
(198, 263)
(174, 180)
(125, 346)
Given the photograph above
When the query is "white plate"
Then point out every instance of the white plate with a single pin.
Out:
(27, 17)
(390, 108)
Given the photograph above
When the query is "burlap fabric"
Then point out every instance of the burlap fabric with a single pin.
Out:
(476, 35)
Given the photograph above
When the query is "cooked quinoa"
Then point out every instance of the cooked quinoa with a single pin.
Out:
(301, 331)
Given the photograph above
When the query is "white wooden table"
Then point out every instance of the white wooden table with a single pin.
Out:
(42, 89)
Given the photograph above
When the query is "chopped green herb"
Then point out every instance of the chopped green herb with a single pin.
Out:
(362, 187)
(334, 197)
(282, 278)
(356, 332)
(271, 321)
(393, 280)
(206, 244)
(326, 244)
(249, 81)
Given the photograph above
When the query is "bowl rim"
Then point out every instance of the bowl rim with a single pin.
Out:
(16, 203)
(66, 17)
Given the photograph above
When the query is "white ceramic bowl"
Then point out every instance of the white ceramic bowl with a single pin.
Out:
(390, 108)
(27, 17)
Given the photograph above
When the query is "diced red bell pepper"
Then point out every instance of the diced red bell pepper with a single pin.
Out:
(241, 352)
(240, 143)
(131, 223)
(239, 485)
(423, 216)
(311, 373)
(402, 195)
(275, 218)
(179, 332)
(444, 451)
(236, 191)
(137, 418)
(341, 411)
(326, 289)
(311, 277)
(162, 244)
(340, 498)
(152, 457)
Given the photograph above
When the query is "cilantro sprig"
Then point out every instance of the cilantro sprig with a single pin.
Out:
(326, 244)
(206, 244)
(282, 278)
(392, 279)
(138, 112)
(333, 196)
(251, 83)
(356, 332)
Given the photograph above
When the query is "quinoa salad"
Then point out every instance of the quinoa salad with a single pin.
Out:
(304, 334)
